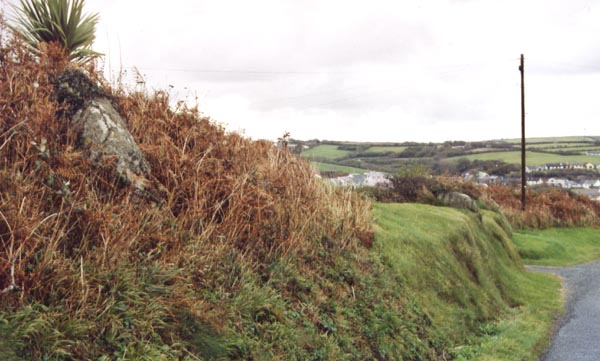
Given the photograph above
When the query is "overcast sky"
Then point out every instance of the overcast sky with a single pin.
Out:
(372, 70)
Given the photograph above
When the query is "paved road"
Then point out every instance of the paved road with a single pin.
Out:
(578, 338)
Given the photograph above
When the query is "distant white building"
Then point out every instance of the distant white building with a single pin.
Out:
(572, 185)
(557, 182)
(369, 179)
(535, 182)
(538, 168)
(481, 178)
(552, 166)
(591, 184)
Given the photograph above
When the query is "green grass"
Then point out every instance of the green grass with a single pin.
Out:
(574, 149)
(383, 149)
(561, 146)
(557, 145)
(533, 158)
(559, 246)
(325, 151)
(337, 168)
(467, 277)
(519, 335)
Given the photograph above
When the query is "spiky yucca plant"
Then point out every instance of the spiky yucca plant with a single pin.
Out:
(58, 21)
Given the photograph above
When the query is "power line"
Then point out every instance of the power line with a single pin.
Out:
(265, 72)
(445, 68)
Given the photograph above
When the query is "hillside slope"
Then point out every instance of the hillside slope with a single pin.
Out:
(240, 253)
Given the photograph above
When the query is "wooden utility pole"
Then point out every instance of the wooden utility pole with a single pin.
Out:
(523, 175)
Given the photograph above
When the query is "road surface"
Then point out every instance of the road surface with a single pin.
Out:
(578, 336)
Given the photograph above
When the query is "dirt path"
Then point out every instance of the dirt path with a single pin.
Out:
(578, 336)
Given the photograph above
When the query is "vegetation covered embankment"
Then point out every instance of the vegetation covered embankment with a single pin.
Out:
(236, 251)
(558, 246)
(464, 273)
(198, 268)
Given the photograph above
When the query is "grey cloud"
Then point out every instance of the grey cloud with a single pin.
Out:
(356, 61)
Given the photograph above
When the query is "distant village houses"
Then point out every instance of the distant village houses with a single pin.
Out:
(561, 166)
(538, 182)
(483, 178)
(581, 183)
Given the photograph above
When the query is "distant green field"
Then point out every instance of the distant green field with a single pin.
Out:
(575, 149)
(561, 146)
(553, 139)
(326, 151)
(383, 149)
(337, 168)
(533, 158)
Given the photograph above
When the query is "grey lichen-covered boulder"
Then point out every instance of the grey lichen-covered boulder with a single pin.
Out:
(458, 200)
(103, 134)
(100, 130)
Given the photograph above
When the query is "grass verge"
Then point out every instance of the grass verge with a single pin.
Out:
(522, 334)
(466, 276)
(559, 246)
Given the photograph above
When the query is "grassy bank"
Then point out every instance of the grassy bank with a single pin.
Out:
(559, 246)
(467, 277)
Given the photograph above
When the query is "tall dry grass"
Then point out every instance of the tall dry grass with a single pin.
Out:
(96, 265)
(550, 207)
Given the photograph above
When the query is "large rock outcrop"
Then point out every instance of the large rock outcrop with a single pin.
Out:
(103, 134)
(101, 131)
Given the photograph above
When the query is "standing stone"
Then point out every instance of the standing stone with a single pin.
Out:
(103, 133)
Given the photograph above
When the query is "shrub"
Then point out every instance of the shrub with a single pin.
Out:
(550, 207)
(421, 189)
(60, 22)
